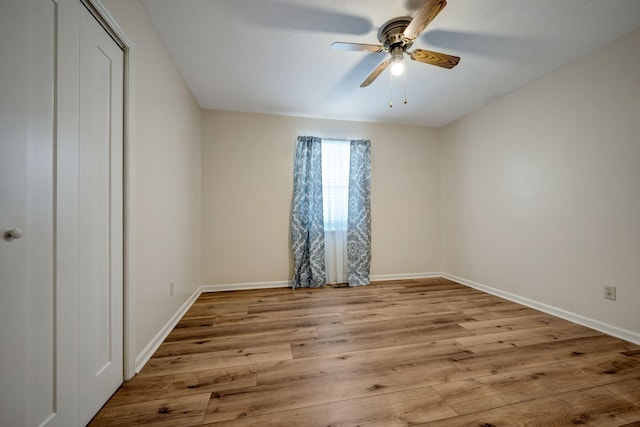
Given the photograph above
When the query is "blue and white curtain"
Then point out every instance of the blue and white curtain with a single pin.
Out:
(359, 222)
(307, 231)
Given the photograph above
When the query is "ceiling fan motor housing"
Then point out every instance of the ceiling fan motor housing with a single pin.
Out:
(390, 35)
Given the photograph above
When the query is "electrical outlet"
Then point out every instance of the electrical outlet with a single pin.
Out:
(610, 292)
(171, 289)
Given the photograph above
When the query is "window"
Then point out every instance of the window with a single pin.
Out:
(335, 183)
(335, 207)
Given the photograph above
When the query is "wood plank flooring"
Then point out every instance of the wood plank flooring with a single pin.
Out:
(414, 352)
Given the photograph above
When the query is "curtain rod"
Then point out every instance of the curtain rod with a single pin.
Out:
(342, 139)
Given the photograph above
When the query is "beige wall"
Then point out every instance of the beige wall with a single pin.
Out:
(541, 189)
(167, 178)
(247, 175)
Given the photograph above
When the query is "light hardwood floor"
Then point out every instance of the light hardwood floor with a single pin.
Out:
(413, 352)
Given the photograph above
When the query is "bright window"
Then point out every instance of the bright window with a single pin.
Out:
(335, 183)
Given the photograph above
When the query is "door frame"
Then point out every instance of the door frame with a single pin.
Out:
(106, 19)
(66, 193)
(116, 31)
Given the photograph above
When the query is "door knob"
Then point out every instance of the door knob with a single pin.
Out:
(14, 233)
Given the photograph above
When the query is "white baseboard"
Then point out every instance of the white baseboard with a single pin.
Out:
(288, 284)
(615, 331)
(143, 357)
(404, 276)
(245, 286)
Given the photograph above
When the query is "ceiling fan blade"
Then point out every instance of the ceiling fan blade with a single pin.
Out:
(429, 10)
(356, 47)
(434, 58)
(375, 73)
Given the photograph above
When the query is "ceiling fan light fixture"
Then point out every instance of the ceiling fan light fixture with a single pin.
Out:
(397, 68)
(397, 55)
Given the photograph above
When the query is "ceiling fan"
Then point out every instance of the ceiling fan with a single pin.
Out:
(397, 36)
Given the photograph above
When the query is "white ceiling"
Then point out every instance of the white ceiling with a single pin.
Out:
(274, 56)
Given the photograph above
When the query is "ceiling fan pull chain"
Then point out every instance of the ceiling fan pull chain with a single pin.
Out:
(390, 91)
(405, 85)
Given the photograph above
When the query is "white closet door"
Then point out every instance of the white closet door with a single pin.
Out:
(100, 217)
(26, 213)
(13, 215)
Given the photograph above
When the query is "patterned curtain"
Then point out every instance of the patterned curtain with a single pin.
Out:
(359, 222)
(307, 228)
